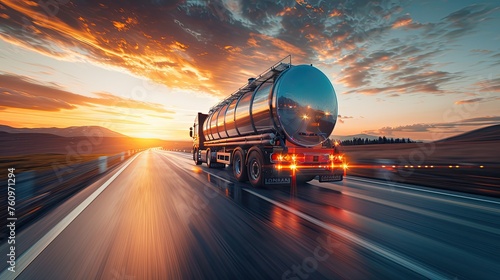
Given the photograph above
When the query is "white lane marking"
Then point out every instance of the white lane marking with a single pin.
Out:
(378, 249)
(424, 190)
(27, 257)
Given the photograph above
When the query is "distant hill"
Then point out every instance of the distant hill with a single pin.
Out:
(349, 137)
(75, 139)
(489, 133)
(15, 144)
(72, 131)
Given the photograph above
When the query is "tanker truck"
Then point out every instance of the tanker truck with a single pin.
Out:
(274, 130)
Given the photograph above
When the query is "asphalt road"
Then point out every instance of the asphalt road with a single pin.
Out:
(161, 217)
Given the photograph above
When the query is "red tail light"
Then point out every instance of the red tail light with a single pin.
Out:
(299, 157)
(276, 157)
(336, 158)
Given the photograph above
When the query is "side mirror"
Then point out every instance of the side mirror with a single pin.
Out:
(191, 132)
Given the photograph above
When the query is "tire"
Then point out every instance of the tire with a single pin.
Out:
(255, 168)
(239, 168)
(209, 159)
(195, 157)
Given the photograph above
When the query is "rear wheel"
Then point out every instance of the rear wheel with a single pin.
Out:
(209, 159)
(254, 168)
(239, 168)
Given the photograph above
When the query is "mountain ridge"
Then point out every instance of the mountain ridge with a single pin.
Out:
(72, 131)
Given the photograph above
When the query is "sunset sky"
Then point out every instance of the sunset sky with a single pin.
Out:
(418, 69)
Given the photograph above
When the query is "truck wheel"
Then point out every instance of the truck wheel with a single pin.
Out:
(254, 169)
(195, 157)
(239, 168)
(209, 159)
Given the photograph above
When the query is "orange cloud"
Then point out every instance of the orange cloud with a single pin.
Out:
(10, 98)
(402, 22)
(24, 93)
(122, 26)
(490, 85)
(286, 11)
(468, 101)
(139, 55)
(282, 46)
(119, 26)
(335, 13)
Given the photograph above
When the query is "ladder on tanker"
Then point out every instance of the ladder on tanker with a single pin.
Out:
(268, 75)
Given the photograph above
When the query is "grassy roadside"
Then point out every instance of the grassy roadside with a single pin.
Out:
(42, 162)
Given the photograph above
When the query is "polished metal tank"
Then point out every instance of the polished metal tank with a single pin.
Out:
(298, 102)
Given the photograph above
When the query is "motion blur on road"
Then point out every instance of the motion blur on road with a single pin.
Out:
(165, 218)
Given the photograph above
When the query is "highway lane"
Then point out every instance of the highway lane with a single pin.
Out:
(438, 229)
(161, 219)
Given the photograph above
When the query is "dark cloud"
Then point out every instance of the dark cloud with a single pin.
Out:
(342, 118)
(354, 77)
(22, 92)
(482, 120)
(408, 66)
(17, 99)
(460, 23)
(421, 82)
(194, 44)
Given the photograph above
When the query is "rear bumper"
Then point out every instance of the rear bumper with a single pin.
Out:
(284, 174)
(303, 169)
(319, 172)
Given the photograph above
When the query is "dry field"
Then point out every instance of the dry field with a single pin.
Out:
(475, 166)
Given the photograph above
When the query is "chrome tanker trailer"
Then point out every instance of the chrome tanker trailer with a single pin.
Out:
(274, 129)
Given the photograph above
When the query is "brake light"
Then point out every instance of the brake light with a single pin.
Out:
(336, 158)
(299, 157)
(277, 157)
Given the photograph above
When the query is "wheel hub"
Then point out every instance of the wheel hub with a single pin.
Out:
(255, 170)
(237, 166)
